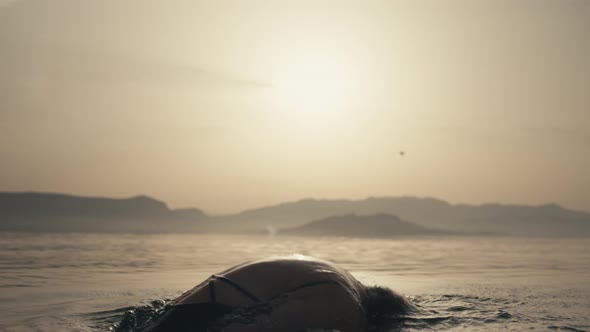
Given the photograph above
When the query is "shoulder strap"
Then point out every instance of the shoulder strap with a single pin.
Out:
(237, 286)
(315, 283)
(212, 297)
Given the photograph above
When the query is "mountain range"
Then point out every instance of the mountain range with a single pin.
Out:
(58, 212)
(66, 213)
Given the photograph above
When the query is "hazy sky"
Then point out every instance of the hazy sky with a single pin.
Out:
(225, 105)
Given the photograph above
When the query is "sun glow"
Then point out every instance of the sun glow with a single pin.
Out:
(315, 88)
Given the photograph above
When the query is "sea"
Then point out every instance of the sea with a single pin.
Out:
(91, 282)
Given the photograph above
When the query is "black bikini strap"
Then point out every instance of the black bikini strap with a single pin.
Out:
(309, 284)
(212, 297)
(315, 283)
(238, 287)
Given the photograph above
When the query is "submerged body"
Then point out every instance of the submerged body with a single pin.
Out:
(281, 294)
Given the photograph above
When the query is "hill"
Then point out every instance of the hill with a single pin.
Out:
(66, 213)
(518, 220)
(376, 225)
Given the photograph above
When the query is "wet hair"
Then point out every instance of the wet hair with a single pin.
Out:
(382, 304)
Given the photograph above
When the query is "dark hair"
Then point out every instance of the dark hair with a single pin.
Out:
(383, 303)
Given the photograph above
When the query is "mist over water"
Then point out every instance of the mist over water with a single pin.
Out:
(88, 282)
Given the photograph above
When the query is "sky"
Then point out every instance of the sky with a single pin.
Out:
(228, 105)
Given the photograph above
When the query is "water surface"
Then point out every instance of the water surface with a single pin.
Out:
(86, 282)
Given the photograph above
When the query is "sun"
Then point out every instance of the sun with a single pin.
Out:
(316, 87)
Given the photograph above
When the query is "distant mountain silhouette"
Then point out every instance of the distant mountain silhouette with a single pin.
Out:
(518, 220)
(58, 212)
(376, 225)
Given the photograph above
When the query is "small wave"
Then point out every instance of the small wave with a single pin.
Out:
(447, 311)
(565, 328)
(436, 313)
(16, 286)
(137, 318)
(459, 308)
